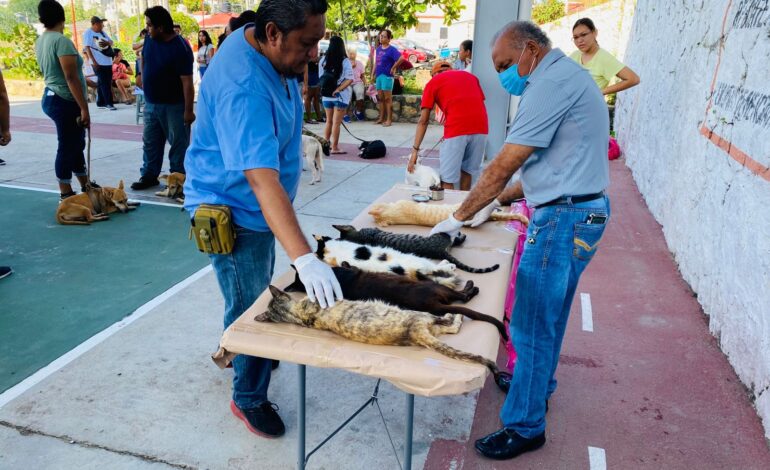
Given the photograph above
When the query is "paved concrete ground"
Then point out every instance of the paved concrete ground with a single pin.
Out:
(649, 386)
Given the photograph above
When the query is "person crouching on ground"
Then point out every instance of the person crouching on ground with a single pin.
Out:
(559, 141)
(64, 96)
(458, 94)
(336, 63)
(168, 94)
(252, 164)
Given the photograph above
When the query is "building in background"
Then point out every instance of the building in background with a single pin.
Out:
(431, 32)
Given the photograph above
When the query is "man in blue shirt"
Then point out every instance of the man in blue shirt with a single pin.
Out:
(245, 153)
(559, 140)
(167, 63)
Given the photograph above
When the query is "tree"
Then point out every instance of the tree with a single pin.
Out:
(547, 11)
(399, 15)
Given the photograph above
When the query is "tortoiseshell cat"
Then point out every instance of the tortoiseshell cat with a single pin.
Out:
(409, 294)
(372, 322)
(385, 260)
(435, 246)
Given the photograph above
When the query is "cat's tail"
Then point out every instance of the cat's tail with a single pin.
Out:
(474, 315)
(425, 339)
(500, 215)
(459, 264)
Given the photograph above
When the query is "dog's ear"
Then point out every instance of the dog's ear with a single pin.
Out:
(120, 185)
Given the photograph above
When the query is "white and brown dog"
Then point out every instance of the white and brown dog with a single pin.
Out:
(174, 186)
(314, 156)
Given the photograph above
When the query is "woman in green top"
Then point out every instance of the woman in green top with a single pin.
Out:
(602, 66)
(64, 96)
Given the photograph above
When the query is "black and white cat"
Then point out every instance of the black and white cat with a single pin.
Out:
(385, 260)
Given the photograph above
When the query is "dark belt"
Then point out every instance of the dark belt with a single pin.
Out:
(572, 199)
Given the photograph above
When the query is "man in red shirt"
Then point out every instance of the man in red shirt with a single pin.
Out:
(458, 94)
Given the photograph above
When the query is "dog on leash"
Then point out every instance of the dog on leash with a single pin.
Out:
(93, 205)
(174, 186)
(314, 156)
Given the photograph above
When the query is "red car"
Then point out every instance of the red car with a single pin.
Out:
(412, 55)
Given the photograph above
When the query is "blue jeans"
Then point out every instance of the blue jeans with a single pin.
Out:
(164, 122)
(558, 248)
(243, 275)
(71, 137)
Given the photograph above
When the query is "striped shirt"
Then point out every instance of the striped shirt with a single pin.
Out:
(562, 114)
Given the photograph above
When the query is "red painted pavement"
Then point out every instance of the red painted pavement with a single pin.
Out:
(649, 385)
(133, 133)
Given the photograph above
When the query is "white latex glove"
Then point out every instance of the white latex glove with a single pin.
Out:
(484, 214)
(319, 280)
(450, 226)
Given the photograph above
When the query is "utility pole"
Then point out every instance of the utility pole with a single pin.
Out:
(75, 26)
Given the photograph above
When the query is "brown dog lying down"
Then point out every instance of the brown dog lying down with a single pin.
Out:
(174, 186)
(409, 294)
(93, 205)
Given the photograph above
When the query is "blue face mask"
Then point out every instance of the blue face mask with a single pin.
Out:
(512, 81)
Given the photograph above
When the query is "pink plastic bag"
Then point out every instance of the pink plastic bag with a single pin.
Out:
(371, 92)
(614, 151)
(510, 297)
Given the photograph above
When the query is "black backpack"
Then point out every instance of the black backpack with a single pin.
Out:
(328, 82)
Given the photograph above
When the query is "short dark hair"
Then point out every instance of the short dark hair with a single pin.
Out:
(587, 22)
(248, 16)
(467, 45)
(287, 15)
(116, 50)
(177, 25)
(388, 32)
(50, 12)
(160, 17)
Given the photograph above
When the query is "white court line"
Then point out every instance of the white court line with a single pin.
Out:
(93, 341)
(585, 305)
(43, 190)
(596, 458)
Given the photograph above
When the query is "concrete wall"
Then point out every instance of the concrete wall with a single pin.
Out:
(457, 32)
(696, 134)
(612, 20)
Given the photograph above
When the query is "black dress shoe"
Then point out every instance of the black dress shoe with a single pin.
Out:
(144, 183)
(506, 444)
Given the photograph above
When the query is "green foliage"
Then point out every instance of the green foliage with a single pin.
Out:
(411, 87)
(132, 26)
(547, 11)
(195, 5)
(17, 49)
(397, 15)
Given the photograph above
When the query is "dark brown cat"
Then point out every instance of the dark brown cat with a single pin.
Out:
(434, 247)
(372, 322)
(410, 294)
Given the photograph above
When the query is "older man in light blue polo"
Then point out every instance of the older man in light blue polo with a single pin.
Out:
(559, 140)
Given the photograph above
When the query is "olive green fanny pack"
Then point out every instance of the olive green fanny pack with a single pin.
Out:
(212, 227)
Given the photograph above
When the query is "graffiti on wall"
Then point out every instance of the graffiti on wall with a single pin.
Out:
(738, 111)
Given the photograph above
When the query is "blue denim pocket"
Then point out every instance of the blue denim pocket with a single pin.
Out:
(586, 240)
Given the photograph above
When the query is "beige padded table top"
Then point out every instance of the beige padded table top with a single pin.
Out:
(411, 369)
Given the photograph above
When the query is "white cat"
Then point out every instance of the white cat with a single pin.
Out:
(385, 260)
(423, 176)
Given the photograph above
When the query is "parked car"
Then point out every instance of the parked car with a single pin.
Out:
(429, 53)
(412, 55)
(362, 49)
